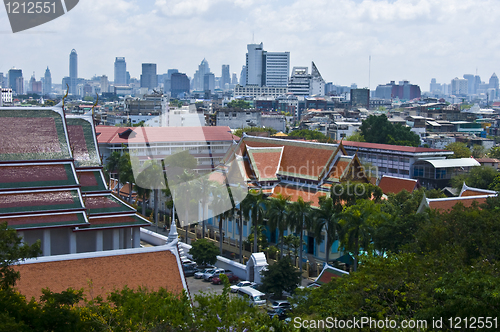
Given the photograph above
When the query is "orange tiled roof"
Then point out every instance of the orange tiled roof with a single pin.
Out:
(469, 191)
(308, 195)
(447, 204)
(265, 162)
(106, 274)
(390, 184)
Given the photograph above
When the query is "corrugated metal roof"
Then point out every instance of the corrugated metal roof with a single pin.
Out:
(448, 163)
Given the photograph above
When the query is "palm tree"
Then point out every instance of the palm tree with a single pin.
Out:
(277, 215)
(300, 214)
(126, 174)
(358, 224)
(327, 217)
(254, 207)
(112, 166)
(205, 192)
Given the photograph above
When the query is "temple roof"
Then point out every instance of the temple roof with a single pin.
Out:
(37, 175)
(391, 184)
(82, 141)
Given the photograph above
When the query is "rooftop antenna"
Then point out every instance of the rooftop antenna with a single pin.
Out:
(369, 70)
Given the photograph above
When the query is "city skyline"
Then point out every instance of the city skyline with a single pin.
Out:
(407, 40)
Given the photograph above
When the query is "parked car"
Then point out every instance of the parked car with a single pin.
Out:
(282, 314)
(189, 270)
(281, 304)
(201, 272)
(234, 288)
(252, 296)
(232, 278)
(212, 273)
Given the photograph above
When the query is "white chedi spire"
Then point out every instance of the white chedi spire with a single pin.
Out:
(172, 235)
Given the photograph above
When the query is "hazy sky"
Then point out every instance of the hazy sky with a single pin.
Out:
(414, 40)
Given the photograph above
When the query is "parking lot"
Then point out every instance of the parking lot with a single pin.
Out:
(197, 285)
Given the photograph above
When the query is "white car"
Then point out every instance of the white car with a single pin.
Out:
(236, 287)
(207, 276)
(199, 274)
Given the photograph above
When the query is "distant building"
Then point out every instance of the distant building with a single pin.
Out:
(73, 72)
(199, 76)
(300, 82)
(238, 118)
(179, 84)
(5, 96)
(209, 82)
(14, 75)
(459, 86)
(471, 84)
(104, 84)
(256, 91)
(254, 67)
(47, 82)
(225, 77)
(360, 98)
(120, 71)
(148, 77)
(404, 91)
(265, 68)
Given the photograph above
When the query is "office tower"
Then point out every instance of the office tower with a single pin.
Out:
(47, 82)
(209, 82)
(1, 81)
(360, 98)
(254, 64)
(471, 88)
(276, 68)
(243, 76)
(148, 78)
(120, 71)
(234, 79)
(459, 86)
(435, 87)
(198, 78)
(225, 77)
(179, 84)
(317, 86)
(494, 81)
(128, 78)
(73, 71)
(104, 84)
(300, 82)
(14, 76)
(477, 82)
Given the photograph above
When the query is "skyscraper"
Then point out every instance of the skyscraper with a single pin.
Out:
(179, 83)
(471, 88)
(266, 68)
(199, 76)
(14, 76)
(494, 81)
(459, 86)
(47, 82)
(234, 79)
(148, 77)
(254, 64)
(73, 71)
(243, 75)
(120, 71)
(225, 77)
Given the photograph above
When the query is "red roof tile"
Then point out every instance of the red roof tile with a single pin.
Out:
(265, 162)
(448, 204)
(41, 221)
(308, 195)
(390, 184)
(33, 135)
(104, 273)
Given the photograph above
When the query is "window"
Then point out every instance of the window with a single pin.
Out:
(404, 172)
(393, 170)
(418, 171)
(441, 173)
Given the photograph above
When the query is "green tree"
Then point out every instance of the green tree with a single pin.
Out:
(308, 134)
(239, 103)
(253, 207)
(378, 129)
(460, 150)
(277, 215)
(12, 251)
(280, 277)
(478, 151)
(355, 137)
(327, 218)
(239, 132)
(358, 226)
(494, 152)
(204, 252)
(482, 177)
(300, 220)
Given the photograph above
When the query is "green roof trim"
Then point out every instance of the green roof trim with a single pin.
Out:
(137, 221)
(93, 158)
(79, 222)
(114, 205)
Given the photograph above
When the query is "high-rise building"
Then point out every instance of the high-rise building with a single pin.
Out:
(120, 71)
(254, 67)
(317, 82)
(73, 71)
(300, 82)
(199, 76)
(494, 81)
(459, 86)
(14, 76)
(209, 82)
(179, 84)
(104, 84)
(360, 98)
(47, 82)
(1, 81)
(276, 68)
(225, 77)
(404, 91)
(243, 75)
(148, 77)
(234, 79)
(471, 88)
